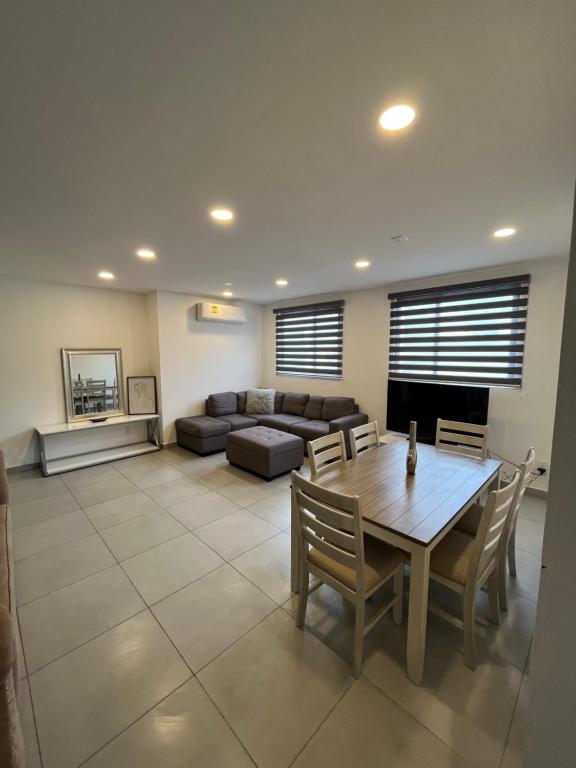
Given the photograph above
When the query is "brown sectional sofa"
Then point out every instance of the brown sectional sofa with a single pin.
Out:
(308, 416)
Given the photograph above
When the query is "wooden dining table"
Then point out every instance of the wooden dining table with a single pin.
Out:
(411, 512)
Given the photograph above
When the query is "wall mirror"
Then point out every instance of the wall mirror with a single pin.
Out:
(93, 383)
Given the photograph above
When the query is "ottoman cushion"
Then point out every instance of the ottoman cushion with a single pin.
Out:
(267, 452)
(202, 426)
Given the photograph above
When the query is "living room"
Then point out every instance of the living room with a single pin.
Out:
(353, 238)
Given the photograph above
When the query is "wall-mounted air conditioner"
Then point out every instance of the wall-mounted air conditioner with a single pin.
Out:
(221, 313)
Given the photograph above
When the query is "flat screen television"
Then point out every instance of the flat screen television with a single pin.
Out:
(425, 402)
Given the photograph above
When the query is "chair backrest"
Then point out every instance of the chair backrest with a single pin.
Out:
(525, 469)
(493, 526)
(463, 438)
(364, 438)
(325, 451)
(331, 523)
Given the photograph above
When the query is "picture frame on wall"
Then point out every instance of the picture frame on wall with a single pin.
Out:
(141, 395)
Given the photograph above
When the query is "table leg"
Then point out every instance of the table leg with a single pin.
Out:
(417, 613)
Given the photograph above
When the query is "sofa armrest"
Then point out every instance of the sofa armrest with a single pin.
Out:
(345, 424)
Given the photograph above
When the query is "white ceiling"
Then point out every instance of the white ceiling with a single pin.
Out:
(122, 122)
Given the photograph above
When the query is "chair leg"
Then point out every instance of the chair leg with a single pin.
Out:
(512, 552)
(302, 595)
(399, 592)
(359, 637)
(503, 597)
(470, 627)
(494, 595)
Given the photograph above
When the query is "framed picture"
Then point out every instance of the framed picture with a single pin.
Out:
(141, 395)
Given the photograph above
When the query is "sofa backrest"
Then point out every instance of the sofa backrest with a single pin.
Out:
(221, 404)
(295, 403)
(336, 407)
(313, 408)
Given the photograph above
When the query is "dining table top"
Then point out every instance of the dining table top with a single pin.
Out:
(417, 507)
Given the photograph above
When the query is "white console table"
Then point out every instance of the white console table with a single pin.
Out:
(65, 447)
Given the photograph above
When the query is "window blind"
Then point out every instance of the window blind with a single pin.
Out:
(309, 340)
(468, 333)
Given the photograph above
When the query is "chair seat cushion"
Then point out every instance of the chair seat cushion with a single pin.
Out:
(202, 426)
(310, 430)
(281, 421)
(470, 522)
(380, 560)
(452, 556)
(238, 421)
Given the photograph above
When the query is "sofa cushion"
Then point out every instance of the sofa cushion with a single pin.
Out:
(313, 408)
(260, 401)
(295, 403)
(335, 407)
(239, 421)
(278, 400)
(241, 402)
(281, 421)
(202, 426)
(310, 430)
(221, 404)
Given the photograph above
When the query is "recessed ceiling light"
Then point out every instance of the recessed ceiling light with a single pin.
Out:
(105, 275)
(228, 285)
(222, 215)
(227, 294)
(146, 254)
(397, 117)
(362, 264)
(281, 282)
(504, 232)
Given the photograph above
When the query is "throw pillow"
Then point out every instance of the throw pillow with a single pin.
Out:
(260, 401)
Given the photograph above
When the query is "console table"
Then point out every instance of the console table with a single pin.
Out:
(65, 447)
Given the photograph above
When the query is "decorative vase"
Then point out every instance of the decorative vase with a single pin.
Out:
(412, 456)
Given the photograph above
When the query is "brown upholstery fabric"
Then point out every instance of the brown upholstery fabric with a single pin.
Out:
(221, 404)
(335, 407)
(295, 403)
(310, 430)
(241, 402)
(3, 481)
(313, 408)
(470, 521)
(379, 562)
(451, 557)
(281, 421)
(239, 421)
(278, 400)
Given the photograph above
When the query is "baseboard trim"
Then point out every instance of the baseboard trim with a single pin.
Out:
(22, 468)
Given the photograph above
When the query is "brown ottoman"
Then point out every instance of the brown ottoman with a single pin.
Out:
(266, 452)
(202, 434)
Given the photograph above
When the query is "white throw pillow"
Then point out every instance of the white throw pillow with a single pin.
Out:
(260, 401)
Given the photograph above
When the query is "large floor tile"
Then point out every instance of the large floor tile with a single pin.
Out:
(28, 726)
(89, 476)
(275, 686)
(88, 696)
(201, 510)
(27, 486)
(103, 490)
(529, 536)
(162, 570)
(178, 457)
(528, 571)
(236, 533)
(469, 710)
(206, 617)
(214, 476)
(184, 731)
(50, 533)
(268, 566)
(146, 477)
(120, 510)
(274, 509)
(37, 510)
(57, 623)
(245, 492)
(141, 533)
(56, 568)
(174, 491)
(368, 729)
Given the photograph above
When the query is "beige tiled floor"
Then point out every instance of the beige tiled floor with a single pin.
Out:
(157, 626)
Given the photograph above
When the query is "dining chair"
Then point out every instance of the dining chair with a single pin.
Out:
(464, 564)
(470, 521)
(326, 451)
(364, 438)
(463, 438)
(334, 550)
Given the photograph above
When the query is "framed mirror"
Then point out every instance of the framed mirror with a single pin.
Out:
(93, 383)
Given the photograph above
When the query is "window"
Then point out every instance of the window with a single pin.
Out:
(309, 340)
(468, 333)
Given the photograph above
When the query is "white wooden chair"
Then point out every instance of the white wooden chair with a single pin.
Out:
(464, 564)
(326, 451)
(364, 438)
(471, 520)
(463, 438)
(333, 549)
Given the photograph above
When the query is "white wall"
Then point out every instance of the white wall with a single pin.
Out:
(37, 319)
(198, 358)
(518, 418)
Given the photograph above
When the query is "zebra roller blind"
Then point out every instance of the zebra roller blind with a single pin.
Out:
(309, 340)
(468, 333)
